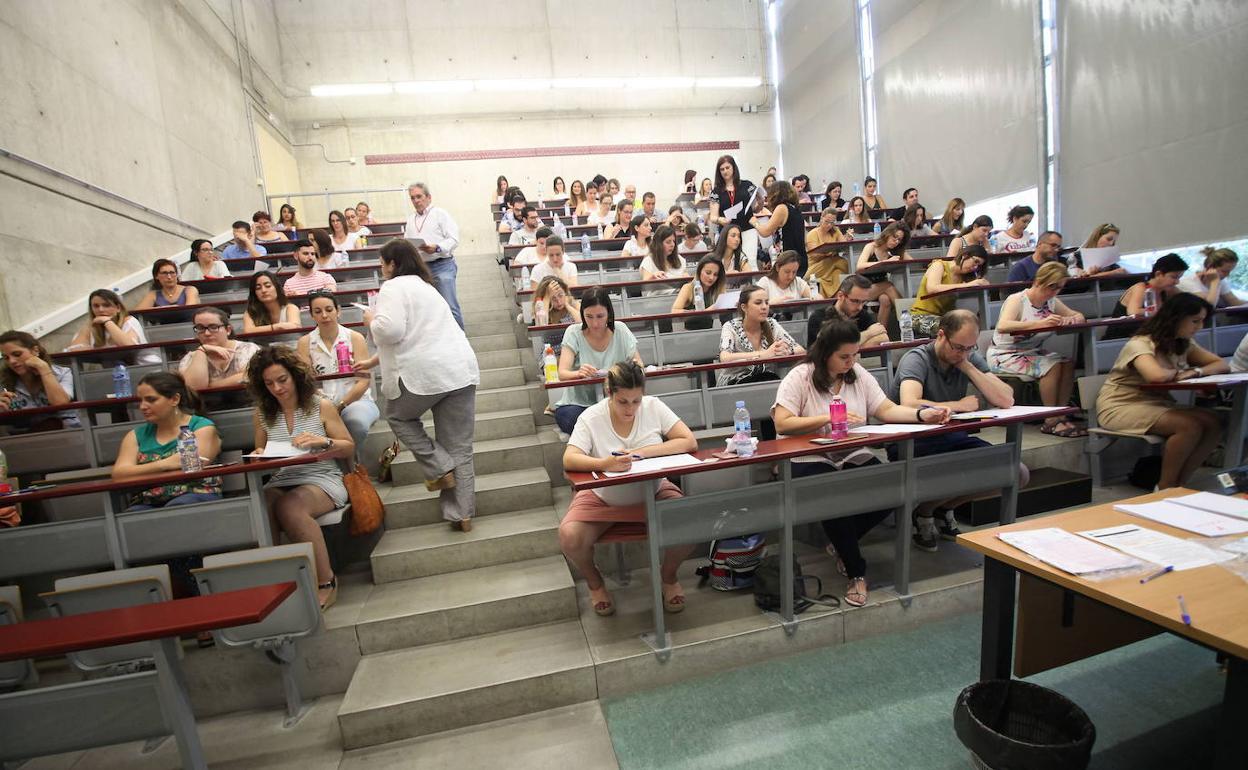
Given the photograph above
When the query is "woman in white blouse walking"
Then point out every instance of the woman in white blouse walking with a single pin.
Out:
(426, 364)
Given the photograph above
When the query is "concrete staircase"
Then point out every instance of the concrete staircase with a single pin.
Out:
(462, 629)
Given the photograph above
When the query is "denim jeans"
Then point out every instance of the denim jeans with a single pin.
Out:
(444, 271)
(567, 415)
(359, 416)
(187, 499)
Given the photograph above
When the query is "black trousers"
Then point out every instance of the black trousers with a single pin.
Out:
(845, 532)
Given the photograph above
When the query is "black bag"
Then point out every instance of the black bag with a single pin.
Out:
(767, 588)
(1146, 473)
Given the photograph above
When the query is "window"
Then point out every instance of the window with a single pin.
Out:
(1048, 52)
(998, 207)
(1141, 261)
(866, 68)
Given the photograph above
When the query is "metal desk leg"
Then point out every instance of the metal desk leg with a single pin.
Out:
(901, 558)
(175, 701)
(1089, 352)
(658, 343)
(1236, 428)
(258, 511)
(982, 298)
(996, 643)
(1009, 495)
(786, 550)
(658, 640)
(906, 284)
(112, 533)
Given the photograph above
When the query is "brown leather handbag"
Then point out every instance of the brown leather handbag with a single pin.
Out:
(367, 510)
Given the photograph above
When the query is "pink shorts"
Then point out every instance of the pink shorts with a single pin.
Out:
(629, 520)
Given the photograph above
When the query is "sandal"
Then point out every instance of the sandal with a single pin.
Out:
(840, 564)
(445, 481)
(1064, 429)
(462, 525)
(602, 607)
(332, 596)
(856, 592)
(674, 599)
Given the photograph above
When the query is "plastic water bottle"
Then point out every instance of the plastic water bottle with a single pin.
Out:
(585, 250)
(121, 382)
(560, 230)
(907, 331)
(701, 223)
(567, 210)
(857, 189)
(343, 352)
(524, 277)
(875, 231)
(993, 240)
(540, 205)
(4, 474)
(540, 316)
(741, 439)
(699, 295)
(188, 451)
(550, 367)
(1150, 301)
(838, 418)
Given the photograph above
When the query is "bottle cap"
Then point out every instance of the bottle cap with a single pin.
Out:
(740, 404)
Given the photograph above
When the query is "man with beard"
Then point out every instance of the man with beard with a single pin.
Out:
(308, 278)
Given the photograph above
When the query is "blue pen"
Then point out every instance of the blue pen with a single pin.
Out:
(1187, 619)
(621, 454)
(1157, 574)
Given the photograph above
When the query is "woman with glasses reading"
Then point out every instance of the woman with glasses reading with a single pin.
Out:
(165, 289)
(205, 263)
(219, 360)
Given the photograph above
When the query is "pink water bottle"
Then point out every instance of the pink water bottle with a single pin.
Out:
(343, 351)
(838, 419)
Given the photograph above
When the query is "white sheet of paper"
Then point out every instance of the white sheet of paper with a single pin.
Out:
(1157, 547)
(417, 242)
(1237, 547)
(1230, 378)
(889, 430)
(727, 300)
(279, 449)
(261, 266)
(656, 464)
(731, 212)
(1013, 411)
(1184, 517)
(1099, 258)
(1207, 501)
(1067, 551)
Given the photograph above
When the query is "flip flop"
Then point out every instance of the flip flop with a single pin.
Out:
(604, 607)
(856, 592)
(673, 600)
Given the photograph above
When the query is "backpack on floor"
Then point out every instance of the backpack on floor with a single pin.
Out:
(767, 588)
(733, 561)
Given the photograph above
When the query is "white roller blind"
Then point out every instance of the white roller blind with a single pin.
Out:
(956, 100)
(819, 97)
(1154, 120)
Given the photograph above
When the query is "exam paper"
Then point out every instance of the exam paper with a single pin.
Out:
(731, 212)
(261, 266)
(1067, 551)
(727, 300)
(656, 464)
(1013, 411)
(1099, 258)
(892, 429)
(1207, 501)
(1157, 547)
(279, 449)
(1222, 379)
(1184, 517)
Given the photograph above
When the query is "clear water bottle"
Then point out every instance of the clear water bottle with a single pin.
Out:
(875, 231)
(993, 241)
(524, 277)
(342, 351)
(188, 451)
(907, 331)
(540, 316)
(550, 367)
(701, 224)
(540, 205)
(814, 289)
(567, 210)
(741, 439)
(121, 382)
(1150, 301)
(838, 418)
(857, 189)
(699, 295)
(585, 250)
(4, 474)
(560, 230)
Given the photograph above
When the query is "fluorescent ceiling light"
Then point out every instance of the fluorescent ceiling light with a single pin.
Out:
(513, 84)
(658, 83)
(353, 89)
(735, 82)
(559, 83)
(433, 87)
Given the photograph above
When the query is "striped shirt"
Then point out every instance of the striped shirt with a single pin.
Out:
(302, 284)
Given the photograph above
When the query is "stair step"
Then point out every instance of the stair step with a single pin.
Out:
(456, 605)
(413, 505)
(503, 423)
(496, 359)
(434, 549)
(505, 398)
(413, 692)
(502, 377)
(479, 328)
(493, 342)
(495, 456)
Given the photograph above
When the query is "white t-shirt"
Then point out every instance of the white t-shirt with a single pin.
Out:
(521, 237)
(1191, 284)
(776, 294)
(527, 256)
(567, 272)
(133, 326)
(634, 249)
(347, 244)
(594, 436)
(191, 271)
(1008, 244)
(683, 248)
(648, 265)
(797, 394)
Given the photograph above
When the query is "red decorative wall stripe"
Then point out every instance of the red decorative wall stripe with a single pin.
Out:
(540, 152)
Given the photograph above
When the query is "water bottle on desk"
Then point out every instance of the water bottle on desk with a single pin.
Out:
(550, 367)
(993, 243)
(540, 205)
(567, 210)
(907, 331)
(4, 474)
(343, 353)
(188, 451)
(1150, 301)
(524, 278)
(741, 439)
(857, 189)
(540, 316)
(875, 230)
(585, 250)
(121, 382)
(838, 419)
(699, 295)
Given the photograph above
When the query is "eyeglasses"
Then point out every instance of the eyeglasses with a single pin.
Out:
(961, 348)
(213, 328)
(167, 272)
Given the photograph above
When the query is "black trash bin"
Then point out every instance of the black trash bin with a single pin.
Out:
(1008, 724)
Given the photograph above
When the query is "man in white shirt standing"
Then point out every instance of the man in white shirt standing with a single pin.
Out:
(440, 234)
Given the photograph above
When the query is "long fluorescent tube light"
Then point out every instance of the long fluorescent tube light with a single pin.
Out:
(433, 87)
(353, 89)
(513, 84)
(736, 82)
(533, 84)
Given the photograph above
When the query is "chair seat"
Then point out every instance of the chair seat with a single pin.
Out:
(333, 517)
(1150, 438)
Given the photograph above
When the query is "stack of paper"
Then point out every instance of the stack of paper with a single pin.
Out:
(1066, 551)
(892, 428)
(1013, 411)
(1157, 547)
(278, 449)
(656, 464)
(1222, 379)
(1207, 501)
(1196, 520)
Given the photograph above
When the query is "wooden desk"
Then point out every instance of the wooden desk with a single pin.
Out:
(1216, 598)
(162, 623)
(1236, 427)
(210, 285)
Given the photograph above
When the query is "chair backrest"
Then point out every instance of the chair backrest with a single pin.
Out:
(1088, 388)
(903, 304)
(299, 615)
(13, 672)
(984, 342)
(107, 591)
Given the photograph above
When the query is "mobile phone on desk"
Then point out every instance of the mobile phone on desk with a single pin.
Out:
(826, 440)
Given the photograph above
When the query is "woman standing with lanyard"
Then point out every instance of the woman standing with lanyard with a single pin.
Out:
(426, 364)
(731, 189)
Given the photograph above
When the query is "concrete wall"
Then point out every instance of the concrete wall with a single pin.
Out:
(141, 98)
(277, 160)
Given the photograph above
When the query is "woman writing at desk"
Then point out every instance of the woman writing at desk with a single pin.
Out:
(624, 426)
(782, 283)
(801, 408)
(205, 264)
(1163, 351)
(945, 274)
(29, 379)
(887, 247)
(168, 406)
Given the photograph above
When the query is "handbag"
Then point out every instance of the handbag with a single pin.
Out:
(367, 510)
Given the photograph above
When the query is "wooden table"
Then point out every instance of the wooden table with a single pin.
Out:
(162, 623)
(1216, 598)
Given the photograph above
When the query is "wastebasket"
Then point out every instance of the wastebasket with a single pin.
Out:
(1013, 725)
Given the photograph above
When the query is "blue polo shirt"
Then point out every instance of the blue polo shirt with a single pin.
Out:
(234, 251)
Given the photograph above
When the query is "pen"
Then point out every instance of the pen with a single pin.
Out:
(1187, 619)
(621, 454)
(595, 474)
(1157, 574)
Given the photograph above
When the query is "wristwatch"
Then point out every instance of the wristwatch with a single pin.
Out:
(329, 444)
